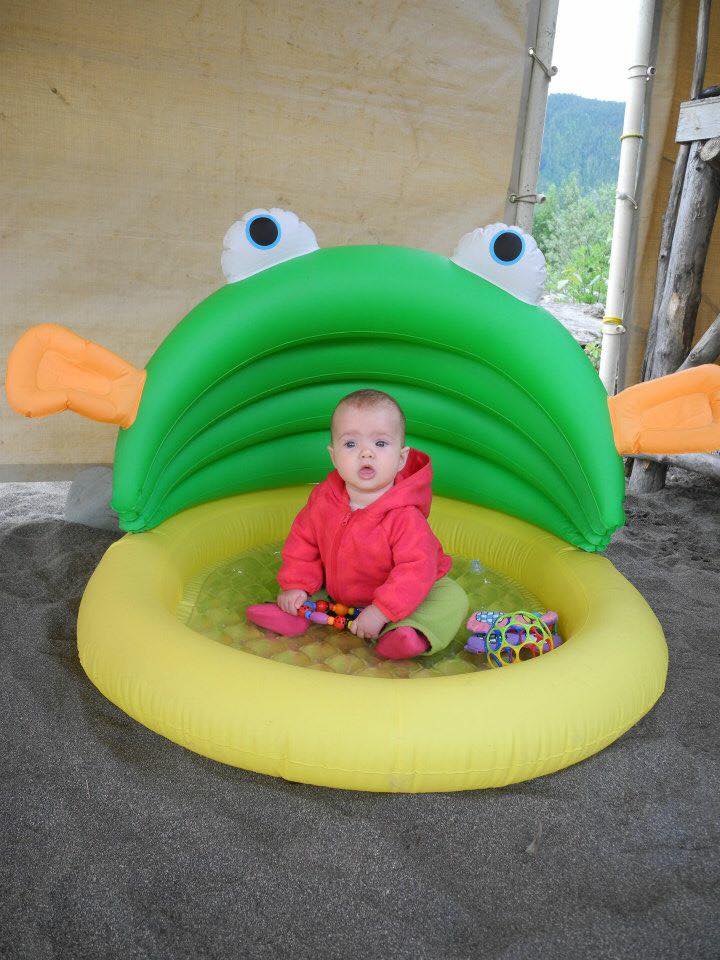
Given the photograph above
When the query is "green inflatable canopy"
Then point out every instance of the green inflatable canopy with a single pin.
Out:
(238, 397)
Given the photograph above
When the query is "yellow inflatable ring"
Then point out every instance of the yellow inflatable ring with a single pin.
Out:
(484, 729)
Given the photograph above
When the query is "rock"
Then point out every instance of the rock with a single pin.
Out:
(88, 500)
(582, 320)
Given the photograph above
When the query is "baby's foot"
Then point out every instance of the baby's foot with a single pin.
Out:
(401, 644)
(271, 617)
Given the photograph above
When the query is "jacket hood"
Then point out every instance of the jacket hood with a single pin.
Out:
(412, 487)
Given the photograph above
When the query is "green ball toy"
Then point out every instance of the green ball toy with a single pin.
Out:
(516, 637)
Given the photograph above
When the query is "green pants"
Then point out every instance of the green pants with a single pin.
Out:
(438, 617)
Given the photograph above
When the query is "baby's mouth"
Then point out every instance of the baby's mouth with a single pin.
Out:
(366, 473)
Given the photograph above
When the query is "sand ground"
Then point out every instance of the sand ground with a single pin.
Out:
(116, 843)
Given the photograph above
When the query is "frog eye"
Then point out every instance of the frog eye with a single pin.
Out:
(263, 238)
(507, 257)
(507, 247)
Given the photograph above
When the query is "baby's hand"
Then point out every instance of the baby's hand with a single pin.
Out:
(369, 623)
(290, 600)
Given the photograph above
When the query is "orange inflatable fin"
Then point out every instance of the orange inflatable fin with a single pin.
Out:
(51, 368)
(679, 413)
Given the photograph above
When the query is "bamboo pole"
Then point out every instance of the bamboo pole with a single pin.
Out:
(626, 203)
(630, 291)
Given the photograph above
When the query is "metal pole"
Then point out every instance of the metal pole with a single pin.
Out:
(626, 203)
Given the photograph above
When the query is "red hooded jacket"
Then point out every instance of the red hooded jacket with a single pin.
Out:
(384, 553)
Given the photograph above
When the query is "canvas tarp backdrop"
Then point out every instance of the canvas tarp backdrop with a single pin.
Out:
(134, 135)
(137, 133)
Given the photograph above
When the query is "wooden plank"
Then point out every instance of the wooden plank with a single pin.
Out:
(698, 120)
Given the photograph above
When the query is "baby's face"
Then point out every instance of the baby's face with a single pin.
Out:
(367, 449)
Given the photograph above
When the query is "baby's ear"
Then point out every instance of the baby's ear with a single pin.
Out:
(332, 455)
(403, 457)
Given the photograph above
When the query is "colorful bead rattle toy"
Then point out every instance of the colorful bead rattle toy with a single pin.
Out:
(315, 611)
(512, 637)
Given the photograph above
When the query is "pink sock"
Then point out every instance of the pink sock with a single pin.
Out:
(401, 644)
(271, 617)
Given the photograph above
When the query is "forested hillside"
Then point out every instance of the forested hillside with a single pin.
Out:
(578, 173)
(581, 136)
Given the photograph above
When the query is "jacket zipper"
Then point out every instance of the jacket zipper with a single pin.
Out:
(336, 542)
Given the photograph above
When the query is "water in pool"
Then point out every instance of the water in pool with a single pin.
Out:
(214, 604)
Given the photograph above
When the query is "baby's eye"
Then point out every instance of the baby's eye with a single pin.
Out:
(507, 257)
(349, 444)
(263, 238)
(381, 443)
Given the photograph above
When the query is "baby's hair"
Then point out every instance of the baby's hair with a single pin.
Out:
(364, 399)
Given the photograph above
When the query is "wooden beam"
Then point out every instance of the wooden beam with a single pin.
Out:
(708, 464)
(698, 120)
(668, 229)
(706, 350)
(702, 36)
(681, 297)
(670, 218)
(648, 477)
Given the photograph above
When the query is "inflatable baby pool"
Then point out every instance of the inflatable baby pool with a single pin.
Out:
(482, 729)
(225, 428)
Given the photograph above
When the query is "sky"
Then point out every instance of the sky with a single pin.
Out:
(593, 47)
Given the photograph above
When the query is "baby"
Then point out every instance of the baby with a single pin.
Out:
(363, 538)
